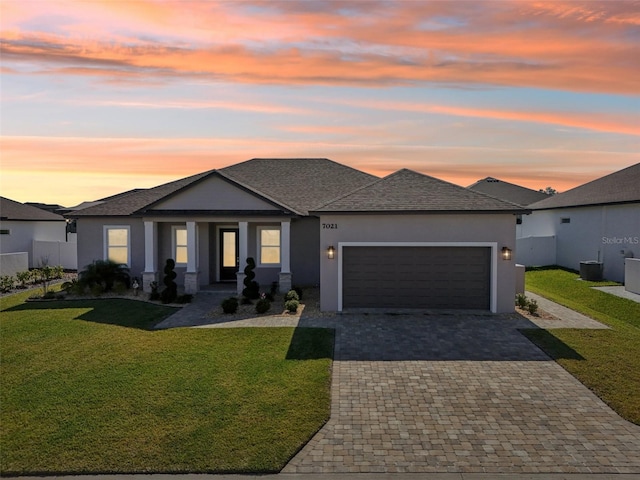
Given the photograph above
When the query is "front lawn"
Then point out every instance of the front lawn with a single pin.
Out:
(88, 388)
(606, 361)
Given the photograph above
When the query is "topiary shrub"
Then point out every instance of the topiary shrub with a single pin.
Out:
(263, 305)
(291, 306)
(229, 305)
(251, 288)
(292, 295)
(170, 292)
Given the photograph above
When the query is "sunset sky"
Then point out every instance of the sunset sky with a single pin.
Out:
(101, 96)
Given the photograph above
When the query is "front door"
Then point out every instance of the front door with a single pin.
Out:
(229, 259)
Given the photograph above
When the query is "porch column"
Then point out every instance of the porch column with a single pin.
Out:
(150, 273)
(243, 234)
(284, 279)
(191, 284)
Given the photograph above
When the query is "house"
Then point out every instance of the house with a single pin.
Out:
(22, 229)
(598, 221)
(312, 221)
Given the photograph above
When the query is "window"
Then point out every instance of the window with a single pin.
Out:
(179, 240)
(565, 220)
(269, 245)
(116, 244)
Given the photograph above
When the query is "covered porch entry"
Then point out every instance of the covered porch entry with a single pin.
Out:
(215, 250)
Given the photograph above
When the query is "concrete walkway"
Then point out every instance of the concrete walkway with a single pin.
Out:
(567, 318)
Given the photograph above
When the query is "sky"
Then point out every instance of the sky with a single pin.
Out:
(102, 96)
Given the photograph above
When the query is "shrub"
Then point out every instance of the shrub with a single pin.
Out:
(246, 301)
(292, 295)
(532, 307)
(521, 300)
(184, 298)
(154, 295)
(96, 289)
(104, 273)
(291, 306)
(263, 305)
(170, 292)
(23, 278)
(73, 286)
(7, 282)
(57, 271)
(229, 305)
(251, 287)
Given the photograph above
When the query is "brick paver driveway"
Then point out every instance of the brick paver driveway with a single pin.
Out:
(459, 394)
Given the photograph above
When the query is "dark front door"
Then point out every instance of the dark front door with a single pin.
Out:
(229, 260)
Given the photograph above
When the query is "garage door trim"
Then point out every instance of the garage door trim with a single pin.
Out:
(492, 245)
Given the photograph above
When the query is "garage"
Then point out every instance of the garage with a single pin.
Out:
(439, 277)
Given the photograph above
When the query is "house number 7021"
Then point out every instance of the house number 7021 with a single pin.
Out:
(330, 225)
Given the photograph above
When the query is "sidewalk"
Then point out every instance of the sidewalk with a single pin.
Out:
(567, 318)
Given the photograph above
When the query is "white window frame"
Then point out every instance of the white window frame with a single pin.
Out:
(174, 244)
(259, 242)
(105, 236)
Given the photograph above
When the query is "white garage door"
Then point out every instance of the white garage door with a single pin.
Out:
(416, 277)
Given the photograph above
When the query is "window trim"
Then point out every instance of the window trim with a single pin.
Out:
(174, 244)
(259, 242)
(105, 242)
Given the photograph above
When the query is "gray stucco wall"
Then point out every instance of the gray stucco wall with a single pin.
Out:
(91, 241)
(499, 228)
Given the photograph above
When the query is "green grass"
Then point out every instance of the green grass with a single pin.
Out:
(88, 388)
(606, 361)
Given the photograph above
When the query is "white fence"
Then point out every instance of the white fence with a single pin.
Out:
(55, 253)
(536, 251)
(12, 263)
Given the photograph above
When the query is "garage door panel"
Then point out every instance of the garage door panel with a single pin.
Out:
(416, 277)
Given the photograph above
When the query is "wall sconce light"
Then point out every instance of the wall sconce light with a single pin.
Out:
(506, 253)
(331, 252)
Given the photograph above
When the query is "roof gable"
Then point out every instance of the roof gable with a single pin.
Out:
(409, 191)
(622, 186)
(507, 191)
(213, 193)
(12, 210)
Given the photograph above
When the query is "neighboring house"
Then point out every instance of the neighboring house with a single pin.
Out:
(20, 226)
(597, 221)
(509, 191)
(407, 240)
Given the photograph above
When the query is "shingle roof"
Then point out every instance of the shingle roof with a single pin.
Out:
(507, 191)
(409, 191)
(12, 210)
(295, 184)
(135, 200)
(301, 184)
(622, 186)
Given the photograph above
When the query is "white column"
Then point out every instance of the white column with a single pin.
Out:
(150, 273)
(284, 279)
(243, 241)
(191, 281)
(285, 247)
(191, 247)
(150, 243)
(243, 234)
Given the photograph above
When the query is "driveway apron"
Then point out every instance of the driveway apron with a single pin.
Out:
(458, 393)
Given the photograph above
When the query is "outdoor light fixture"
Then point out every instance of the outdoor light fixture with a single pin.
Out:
(506, 253)
(331, 252)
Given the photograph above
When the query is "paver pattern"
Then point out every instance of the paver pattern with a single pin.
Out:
(450, 393)
(460, 394)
